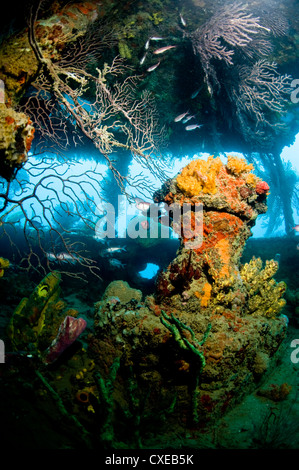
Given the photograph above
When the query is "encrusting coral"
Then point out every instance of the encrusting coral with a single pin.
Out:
(18, 68)
(199, 175)
(16, 135)
(264, 294)
(231, 197)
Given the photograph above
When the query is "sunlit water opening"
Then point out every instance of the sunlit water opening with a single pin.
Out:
(150, 271)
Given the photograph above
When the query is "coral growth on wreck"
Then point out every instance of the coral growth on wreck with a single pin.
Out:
(179, 358)
(210, 271)
(211, 319)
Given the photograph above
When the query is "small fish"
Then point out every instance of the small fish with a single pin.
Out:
(115, 249)
(296, 228)
(63, 257)
(210, 89)
(153, 67)
(163, 49)
(116, 263)
(187, 118)
(147, 44)
(193, 126)
(180, 116)
(195, 93)
(51, 256)
(98, 238)
(66, 257)
(183, 21)
(156, 38)
(141, 205)
(143, 59)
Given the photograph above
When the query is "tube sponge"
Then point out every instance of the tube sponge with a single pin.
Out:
(4, 264)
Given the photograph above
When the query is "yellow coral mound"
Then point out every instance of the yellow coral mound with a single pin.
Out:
(251, 180)
(200, 176)
(264, 293)
(238, 165)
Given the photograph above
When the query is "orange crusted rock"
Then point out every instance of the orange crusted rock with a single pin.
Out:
(231, 198)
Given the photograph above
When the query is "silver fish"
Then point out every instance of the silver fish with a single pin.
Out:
(187, 118)
(193, 126)
(180, 116)
(195, 93)
(156, 38)
(63, 258)
(153, 67)
(143, 59)
(183, 21)
(115, 249)
(147, 44)
(116, 263)
(163, 49)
